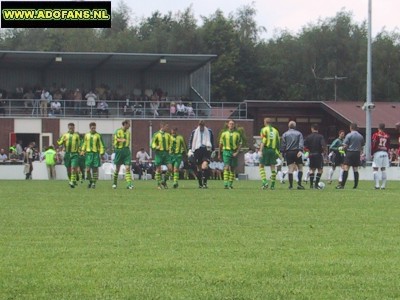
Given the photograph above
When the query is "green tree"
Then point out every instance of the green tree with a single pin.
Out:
(220, 37)
(386, 59)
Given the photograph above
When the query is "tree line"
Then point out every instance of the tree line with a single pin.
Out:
(327, 56)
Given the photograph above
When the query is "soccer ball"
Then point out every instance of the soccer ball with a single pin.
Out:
(321, 185)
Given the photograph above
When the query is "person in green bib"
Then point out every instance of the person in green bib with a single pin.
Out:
(93, 148)
(50, 159)
(71, 141)
(230, 143)
(123, 155)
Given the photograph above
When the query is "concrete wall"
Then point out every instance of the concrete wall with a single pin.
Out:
(16, 172)
(393, 173)
(13, 172)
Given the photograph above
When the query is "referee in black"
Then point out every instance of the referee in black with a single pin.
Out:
(316, 146)
(353, 144)
(292, 144)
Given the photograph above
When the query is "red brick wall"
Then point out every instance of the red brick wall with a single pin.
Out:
(53, 126)
(6, 126)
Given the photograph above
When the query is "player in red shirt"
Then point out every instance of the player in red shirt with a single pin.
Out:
(380, 150)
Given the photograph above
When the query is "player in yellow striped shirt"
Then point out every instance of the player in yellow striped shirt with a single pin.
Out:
(123, 155)
(230, 143)
(71, 142)
(161, 144)
(93, 148)
(177, 150)
(269, 149)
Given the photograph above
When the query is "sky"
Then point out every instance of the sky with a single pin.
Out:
(290, 15)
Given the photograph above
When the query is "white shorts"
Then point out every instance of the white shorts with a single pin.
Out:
(278, 162)
(381, 160)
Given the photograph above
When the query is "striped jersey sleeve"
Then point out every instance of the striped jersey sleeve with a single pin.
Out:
(177, 145)
(70, 141)
(121, 134)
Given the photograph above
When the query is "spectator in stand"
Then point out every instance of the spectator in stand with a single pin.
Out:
(216, 167)
(77, 101)
(256, 156)
(20, 151)
(13, 155)
(57, 95)
(29, 99)
(154, 104)
(189, 110)
(63, 91)
(393, 156)
(107, 156)
(142, 162)
(55, 107)
(137, 108)
(249, 158)
(60, 155)
(3, 155)
(19, 92)
(91, 99)
(142, 157)
(102, 108)
(180, 109)
(45, 99)
(172, 109)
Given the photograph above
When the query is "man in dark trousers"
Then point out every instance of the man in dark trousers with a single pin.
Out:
(292, 144)
(201, 143)
(316, 146)
(352, 144)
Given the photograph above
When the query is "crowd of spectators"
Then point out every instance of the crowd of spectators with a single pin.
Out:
(56, 100)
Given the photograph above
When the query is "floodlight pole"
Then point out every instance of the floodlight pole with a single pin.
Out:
(368, 106)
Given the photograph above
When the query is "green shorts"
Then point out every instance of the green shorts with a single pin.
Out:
(92, 160)
(162, 158)
(71, 159)
(269, 157)
(229, 159)
(123, 156)
(81, 162)
(176, 160)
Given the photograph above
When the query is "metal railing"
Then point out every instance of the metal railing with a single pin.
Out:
(120, 109)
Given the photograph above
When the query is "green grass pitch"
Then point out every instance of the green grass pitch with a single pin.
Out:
(246, 243)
